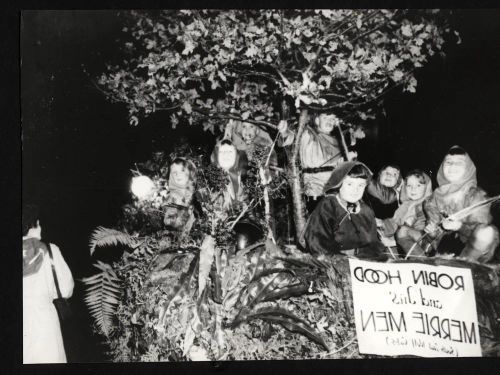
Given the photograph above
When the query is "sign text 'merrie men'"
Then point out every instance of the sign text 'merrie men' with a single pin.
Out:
(414, 308)
(422, 323)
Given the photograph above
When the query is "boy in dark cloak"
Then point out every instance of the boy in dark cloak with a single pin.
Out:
(342, 224)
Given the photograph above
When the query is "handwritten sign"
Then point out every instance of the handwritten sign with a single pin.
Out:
(416, 309)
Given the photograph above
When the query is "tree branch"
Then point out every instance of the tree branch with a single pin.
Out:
(224, 116)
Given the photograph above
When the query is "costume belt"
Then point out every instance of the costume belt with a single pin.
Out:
(318, 169)
(313, 197)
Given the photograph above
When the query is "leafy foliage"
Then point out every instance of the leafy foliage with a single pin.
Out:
(208, 66)
(110, 237)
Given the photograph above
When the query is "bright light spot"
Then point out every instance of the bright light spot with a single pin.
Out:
(142, 186)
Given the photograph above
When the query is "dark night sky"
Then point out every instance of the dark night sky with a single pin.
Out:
(78, 148)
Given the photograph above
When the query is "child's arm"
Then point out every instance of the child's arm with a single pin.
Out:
(418, 221)
(432, 214)
(389, 227)
(480, 216)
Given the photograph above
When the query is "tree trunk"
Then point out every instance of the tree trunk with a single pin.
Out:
(299, 209)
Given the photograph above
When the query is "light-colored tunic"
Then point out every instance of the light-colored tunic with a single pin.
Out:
(42, 338)
(313, 155)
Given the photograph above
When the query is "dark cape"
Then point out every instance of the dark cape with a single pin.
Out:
(383, 209)
(382, 199)
(332, 229)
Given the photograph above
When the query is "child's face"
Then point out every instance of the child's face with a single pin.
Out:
(454, 167)
(326, 123)
(352, 189)
(414, 188)
(248, 132)
(179, 174)
(227, 156)
(389, 177)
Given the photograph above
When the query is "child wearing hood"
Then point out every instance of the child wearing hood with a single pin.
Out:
(319, 153)
(342, 223)
(179, 214)
(457, 190)
(409, 219)
(382, 194)
(245, 136)
(234, 163)
(230, 200)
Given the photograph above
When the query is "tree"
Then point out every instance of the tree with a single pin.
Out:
(209, 66)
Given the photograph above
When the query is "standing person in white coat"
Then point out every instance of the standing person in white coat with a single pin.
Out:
(42, 338)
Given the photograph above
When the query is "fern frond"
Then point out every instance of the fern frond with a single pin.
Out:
(102, 296)
(110, 237)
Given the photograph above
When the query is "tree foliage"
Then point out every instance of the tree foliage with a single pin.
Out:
(207, 66)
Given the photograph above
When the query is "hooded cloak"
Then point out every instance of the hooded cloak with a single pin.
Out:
(333, 229)
(340, 172)
(452, 192)
(408, 208)
(450, 197)
(234, 191)
(410, 212)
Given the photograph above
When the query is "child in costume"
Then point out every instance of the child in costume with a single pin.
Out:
(231, 200)
(246, 136)
(409, 220)
(179, 214)
(457, 190)
(342, 223)
(234, 163)
(319, 154)
(382, 194)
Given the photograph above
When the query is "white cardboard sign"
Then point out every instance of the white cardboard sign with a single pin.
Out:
(416, 309)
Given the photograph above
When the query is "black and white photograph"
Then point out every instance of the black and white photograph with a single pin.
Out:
(259, 184)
